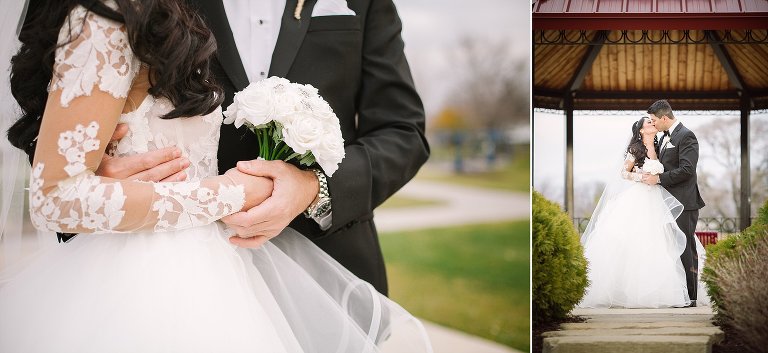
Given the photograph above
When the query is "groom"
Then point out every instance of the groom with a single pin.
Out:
(678, 151)
(352, 52)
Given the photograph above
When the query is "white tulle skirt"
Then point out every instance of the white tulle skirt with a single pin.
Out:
(192, 291)
(633, 248)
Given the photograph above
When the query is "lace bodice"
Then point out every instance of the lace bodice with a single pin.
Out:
(94, 70)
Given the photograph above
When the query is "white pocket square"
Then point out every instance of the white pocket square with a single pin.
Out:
(331, 8)
(670, 145)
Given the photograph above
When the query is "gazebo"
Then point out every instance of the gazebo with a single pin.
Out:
(625, 54)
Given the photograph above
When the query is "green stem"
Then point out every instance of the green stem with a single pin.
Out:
(292, 156)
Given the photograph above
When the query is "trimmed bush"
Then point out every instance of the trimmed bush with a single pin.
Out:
(728, 248)
(734, 274)
(559, 266)
(743, 292)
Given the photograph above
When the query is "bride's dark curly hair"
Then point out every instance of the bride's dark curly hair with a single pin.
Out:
(636, 146)
(164, 34)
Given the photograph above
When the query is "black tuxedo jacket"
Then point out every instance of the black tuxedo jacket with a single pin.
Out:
(358, 65)
(679, 159)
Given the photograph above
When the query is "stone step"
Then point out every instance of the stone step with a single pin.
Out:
(633, 325)
(628, 344)
(715, 334)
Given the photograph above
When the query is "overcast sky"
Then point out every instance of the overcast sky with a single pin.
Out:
(432, 30)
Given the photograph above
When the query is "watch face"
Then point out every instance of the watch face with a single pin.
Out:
(323, 206)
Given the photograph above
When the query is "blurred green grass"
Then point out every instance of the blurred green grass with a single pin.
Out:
(512, 175)
(472, 278)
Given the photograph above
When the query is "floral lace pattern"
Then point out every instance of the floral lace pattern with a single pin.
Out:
(81, 202)
(67, 196)
(73, 145)
(185, 205)
(633, 175)
(93, 52)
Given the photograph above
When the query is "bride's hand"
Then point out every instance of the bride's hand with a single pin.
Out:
(257, 189)
(165, 164)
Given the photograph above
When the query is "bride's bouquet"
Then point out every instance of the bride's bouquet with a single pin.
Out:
(653, 166)
(291, 121)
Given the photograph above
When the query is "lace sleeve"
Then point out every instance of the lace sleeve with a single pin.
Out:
(93, 73)
(93, 52)
(627, 171)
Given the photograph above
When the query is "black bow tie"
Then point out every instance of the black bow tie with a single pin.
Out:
(667, 134)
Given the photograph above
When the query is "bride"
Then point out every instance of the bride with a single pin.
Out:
(632, 243)
(152, 270)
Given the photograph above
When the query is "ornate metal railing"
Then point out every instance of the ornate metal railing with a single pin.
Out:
(634, 37)
(706, 224)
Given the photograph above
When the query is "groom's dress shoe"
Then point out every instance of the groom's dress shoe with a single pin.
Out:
(692, 305)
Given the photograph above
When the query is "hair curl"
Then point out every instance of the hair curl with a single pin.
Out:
(164, 34)
(636, 146)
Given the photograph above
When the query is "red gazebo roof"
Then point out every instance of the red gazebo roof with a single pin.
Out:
(650, 14)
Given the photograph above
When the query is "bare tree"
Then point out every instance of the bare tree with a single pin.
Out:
(722, 186)
(494, 85)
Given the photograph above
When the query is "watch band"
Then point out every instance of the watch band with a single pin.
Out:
(323, 204)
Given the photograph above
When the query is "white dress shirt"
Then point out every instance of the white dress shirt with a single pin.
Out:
(672, 128)
(255, 26)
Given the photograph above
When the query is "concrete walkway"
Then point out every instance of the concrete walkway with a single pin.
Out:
(674, 330)
(460, 205)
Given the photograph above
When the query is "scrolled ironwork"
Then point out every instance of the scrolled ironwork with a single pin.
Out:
(678, 113)
(639, 37)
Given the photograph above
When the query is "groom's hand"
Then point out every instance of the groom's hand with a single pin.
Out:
(165, 164)
(294, 190)
(651, 179)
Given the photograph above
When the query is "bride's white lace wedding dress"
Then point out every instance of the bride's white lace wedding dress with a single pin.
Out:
(633, 245)
(157, 273)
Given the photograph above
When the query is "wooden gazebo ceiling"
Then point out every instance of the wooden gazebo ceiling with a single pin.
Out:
(699, 54)
(650, 72)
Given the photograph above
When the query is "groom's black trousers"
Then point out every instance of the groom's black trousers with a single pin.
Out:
(690, 258)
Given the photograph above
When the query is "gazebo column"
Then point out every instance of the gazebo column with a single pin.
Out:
(573, 85)
(568, 108)
(745, 105)
(746, 183)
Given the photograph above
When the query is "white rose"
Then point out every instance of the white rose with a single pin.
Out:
(253, 105)
(330, 151)
(288, 107)
(653, 166)
(303, 134)
(307, 91)
(274, 83)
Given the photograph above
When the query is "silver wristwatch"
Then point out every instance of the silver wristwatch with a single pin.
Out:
(323, 205)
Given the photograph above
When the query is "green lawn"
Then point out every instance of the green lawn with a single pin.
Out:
(512, 176)
(472, 278)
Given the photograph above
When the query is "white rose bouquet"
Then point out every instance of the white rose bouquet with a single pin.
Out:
(653, 166)
(291, 121)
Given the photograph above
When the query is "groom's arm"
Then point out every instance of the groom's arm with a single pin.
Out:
(391, 146)
(688, 157)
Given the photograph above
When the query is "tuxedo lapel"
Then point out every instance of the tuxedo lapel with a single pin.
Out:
(226, 50)
(292, 32)
(673, 133)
